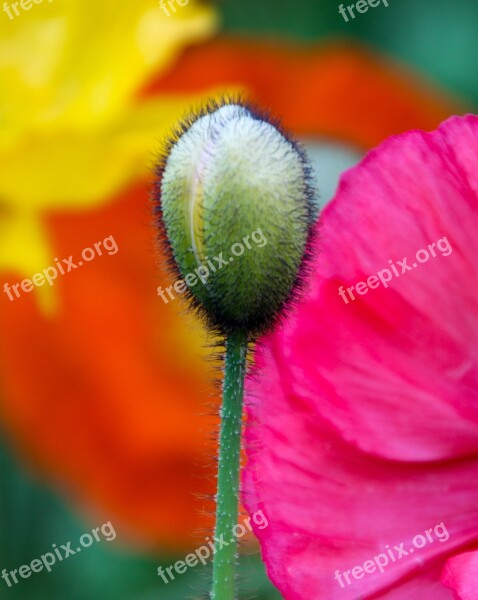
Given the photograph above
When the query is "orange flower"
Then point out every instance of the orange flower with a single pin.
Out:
(106, 395)
(339, 91)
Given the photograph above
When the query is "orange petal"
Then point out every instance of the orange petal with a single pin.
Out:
(340, 91)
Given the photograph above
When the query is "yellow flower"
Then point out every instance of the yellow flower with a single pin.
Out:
(73, 128)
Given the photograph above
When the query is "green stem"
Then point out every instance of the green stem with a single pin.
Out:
(227, 511)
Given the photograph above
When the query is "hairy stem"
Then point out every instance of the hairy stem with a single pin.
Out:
(227, 510)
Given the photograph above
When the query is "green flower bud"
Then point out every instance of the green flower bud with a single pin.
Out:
(228, 180)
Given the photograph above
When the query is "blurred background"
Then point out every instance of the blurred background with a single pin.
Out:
(107, 398)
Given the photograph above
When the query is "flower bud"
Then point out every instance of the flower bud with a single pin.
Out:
(236, 204)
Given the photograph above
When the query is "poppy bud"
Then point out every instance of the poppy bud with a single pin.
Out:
(236, 204)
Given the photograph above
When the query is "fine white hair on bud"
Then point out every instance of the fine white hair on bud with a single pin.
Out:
(228, 173)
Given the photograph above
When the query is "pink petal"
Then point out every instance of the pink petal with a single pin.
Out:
(363, 420)
(332, 506)
(397, 366)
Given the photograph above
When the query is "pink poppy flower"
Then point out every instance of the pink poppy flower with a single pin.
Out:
(363, 422)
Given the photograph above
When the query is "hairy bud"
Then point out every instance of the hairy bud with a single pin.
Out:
(236, 204)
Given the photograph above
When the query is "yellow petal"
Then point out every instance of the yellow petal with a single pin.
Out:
(75, 64)
(71, 170)
(72, 130)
